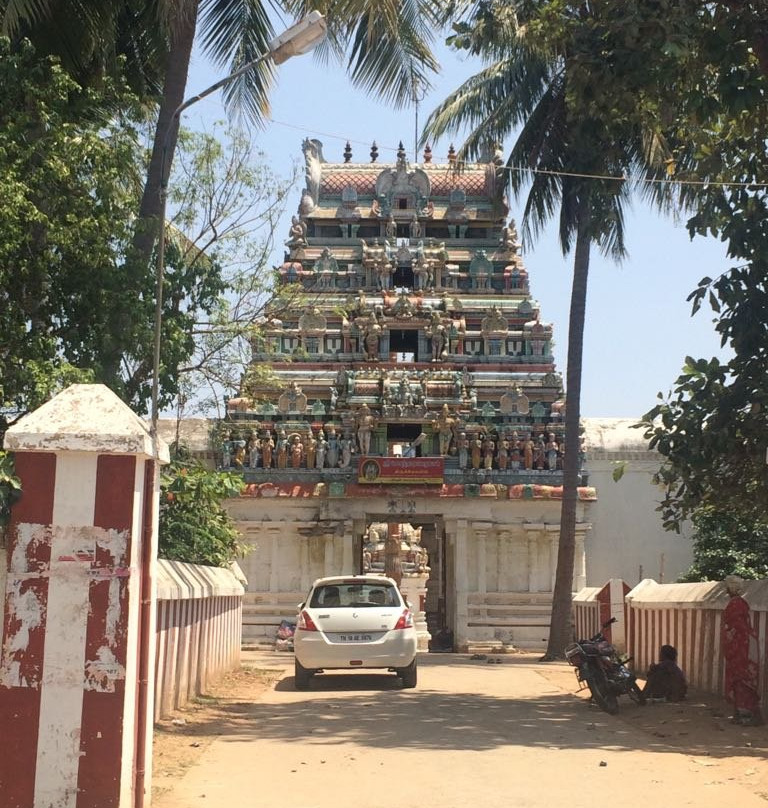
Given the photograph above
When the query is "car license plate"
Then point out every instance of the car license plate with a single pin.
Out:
(355, 638)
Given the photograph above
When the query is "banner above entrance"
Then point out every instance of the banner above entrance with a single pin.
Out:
(407, 470)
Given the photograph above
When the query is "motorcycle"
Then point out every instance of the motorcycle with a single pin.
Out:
(600, 668)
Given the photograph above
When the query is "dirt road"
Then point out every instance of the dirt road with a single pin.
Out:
(471, 734)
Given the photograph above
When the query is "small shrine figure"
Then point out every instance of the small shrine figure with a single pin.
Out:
(267, 448)
(489, 447)
(552, 450)
(297, 452)
(253, 452)
(310, 451)
(502, 458)
(334, 397)
(445, 424)
(226, 454)
(384, 271)
(528, 447)
(415, 227)
(322, 448)
(515, 458)
(282, 449)
(462, 445)
(332, 452)
(540, 454)
(477, 451)
(436, 331)
(366, 422)
(371, 342)
(239, 454)
(297, 236)
(391, 227)
(347, 447)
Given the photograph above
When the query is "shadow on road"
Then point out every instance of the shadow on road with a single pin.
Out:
(376, 712)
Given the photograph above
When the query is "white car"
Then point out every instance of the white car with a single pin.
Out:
(355, 621)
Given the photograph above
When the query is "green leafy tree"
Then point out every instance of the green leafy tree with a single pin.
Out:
(540, 82)
(727, 543)
(194, 526)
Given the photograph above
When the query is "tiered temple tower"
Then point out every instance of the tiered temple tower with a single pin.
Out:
(410, 365)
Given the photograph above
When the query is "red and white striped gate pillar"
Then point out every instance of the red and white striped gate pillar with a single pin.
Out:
(77, 655)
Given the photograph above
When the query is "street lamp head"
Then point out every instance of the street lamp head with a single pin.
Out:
(299, 38)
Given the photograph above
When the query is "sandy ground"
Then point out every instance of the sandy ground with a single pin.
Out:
(693, 743)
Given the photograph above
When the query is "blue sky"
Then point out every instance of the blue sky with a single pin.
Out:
(639, 327)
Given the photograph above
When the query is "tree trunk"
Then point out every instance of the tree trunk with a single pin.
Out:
(561, 630)
(137, 265)
(182, 38)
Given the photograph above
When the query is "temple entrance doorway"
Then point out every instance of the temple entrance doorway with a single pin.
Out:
(404, 344)
(403, 278)
(424, 564)
(400, 440)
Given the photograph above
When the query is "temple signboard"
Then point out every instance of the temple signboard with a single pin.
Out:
(404, 470)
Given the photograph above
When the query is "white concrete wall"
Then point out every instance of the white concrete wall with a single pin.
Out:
(627, 539)
(199, 628)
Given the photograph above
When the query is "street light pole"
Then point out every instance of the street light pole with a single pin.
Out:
(294, 41)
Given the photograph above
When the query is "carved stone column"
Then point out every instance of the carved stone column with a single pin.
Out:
(553, 531)
(328, 560)
(579, 558)
(304, 570)
(481, 531)
(533, 557)
(460, 568)
(503, 558)
(348, 550)
(275, 532)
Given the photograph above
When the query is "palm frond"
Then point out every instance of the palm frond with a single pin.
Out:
(233, 33)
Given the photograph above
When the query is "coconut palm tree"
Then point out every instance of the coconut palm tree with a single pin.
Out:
(386, 43)
(559, 159)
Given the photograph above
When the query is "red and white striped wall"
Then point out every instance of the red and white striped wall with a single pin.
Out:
(69, 659)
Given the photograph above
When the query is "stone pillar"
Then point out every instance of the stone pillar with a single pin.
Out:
(329, 565)
(304, 562)
(348, 550)
(554, 548)
(274, 562)
(461, 629)
(579, 559)
(504, 538)
(481, 531)
(77, 664)
(533, 557)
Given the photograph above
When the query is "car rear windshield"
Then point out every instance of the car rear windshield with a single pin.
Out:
(369, 593)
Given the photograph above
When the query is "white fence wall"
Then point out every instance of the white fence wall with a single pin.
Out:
(199, 628)
(689, 616)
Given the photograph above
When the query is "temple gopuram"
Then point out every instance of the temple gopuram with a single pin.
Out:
(412, 421)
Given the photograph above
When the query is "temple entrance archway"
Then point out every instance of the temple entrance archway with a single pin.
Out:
(424, 563)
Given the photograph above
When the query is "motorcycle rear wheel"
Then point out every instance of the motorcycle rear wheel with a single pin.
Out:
(601, 694)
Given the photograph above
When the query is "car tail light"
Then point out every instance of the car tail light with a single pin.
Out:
(405, 620)
(305, 622)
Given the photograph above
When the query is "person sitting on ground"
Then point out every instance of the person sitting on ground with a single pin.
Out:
(665, 679)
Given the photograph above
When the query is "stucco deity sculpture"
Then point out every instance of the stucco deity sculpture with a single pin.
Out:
(297, 452)
(322, 449)
(391, 227)
(332, 453)
(415, 227)
(489, 446)
(267, 449)
(371, 342)
(476, 447)
(253, 452)
(366, 422)
(462, 445)
(311, 451)
(282, 449)
(552, 450)
(445, 424)
(297, 236)
(346, 446)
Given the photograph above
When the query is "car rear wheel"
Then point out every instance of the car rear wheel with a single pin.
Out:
(301, 676)
(408, 675)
